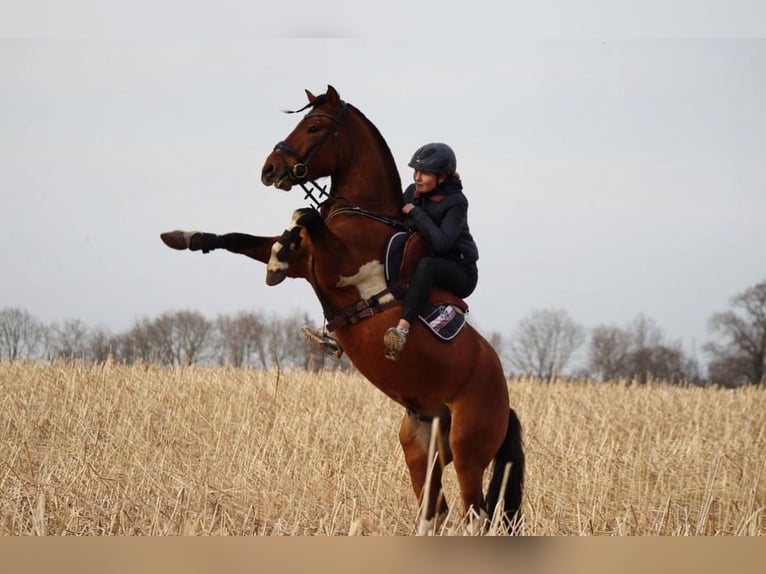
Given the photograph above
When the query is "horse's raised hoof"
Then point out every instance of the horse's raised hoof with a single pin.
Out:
(275, 277)
(177, 239)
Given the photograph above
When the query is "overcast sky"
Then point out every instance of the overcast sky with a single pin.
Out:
(607, 176)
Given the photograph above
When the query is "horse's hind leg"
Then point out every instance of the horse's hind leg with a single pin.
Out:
(475, 437)
(415, 438)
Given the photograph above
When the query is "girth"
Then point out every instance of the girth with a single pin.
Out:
(361, 310)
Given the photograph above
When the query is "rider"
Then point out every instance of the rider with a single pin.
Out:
(435, 204)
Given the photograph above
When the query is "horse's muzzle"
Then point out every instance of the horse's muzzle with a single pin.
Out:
(270, 175)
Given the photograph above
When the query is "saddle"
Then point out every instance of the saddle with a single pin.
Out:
(444, 314)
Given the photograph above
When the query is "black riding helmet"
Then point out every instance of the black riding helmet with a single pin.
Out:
(434, 157)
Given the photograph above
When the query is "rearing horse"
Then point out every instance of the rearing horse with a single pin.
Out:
(339, 248)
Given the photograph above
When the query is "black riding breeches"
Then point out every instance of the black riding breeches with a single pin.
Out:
(437, 272)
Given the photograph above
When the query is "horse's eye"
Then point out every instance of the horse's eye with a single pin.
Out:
(313, 129)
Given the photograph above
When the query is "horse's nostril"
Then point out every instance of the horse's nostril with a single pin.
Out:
(267, 169)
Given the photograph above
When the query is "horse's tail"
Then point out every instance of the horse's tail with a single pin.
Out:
(511, 451)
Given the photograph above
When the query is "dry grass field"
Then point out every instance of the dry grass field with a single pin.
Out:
(145, 450)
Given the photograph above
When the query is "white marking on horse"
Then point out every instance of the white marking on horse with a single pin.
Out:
(369, 281)
(275, 265)
(477, 522)
(432, 525)
(422, 432)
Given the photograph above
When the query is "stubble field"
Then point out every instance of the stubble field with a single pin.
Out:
(145, 450)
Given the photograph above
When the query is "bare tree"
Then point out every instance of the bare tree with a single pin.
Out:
(241, 339)
(661, 362)
(644, 332)
(100, 345)
(180, 338)
(67, 340)
(544, 343)
(500, 345)
(608, 352)
(288, 347)
(650, 356)
(21, 334)
(639, 353)
(136, 344)
(729, 371)
(741, 356)
(194, 335)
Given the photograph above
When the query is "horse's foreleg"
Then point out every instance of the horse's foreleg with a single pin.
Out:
(252, 246)
(415, 438)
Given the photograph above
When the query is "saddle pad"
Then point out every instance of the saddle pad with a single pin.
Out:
(443, 320)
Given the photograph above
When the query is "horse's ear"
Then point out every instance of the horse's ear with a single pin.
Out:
(310, 96)
(333, 99)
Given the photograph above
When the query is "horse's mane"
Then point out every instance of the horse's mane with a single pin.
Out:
(382, 142)
(320, 99)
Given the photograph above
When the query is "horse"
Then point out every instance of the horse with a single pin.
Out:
(454, 395)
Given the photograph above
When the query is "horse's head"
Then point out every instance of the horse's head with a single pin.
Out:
(311, 151)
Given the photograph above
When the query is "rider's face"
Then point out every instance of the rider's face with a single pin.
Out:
(426, 181)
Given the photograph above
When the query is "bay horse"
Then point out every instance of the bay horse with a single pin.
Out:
(338, 247)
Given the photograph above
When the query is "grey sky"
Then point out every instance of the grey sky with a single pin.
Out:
(245, 19)
(607, 177)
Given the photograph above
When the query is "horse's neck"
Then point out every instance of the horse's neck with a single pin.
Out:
(369, 179)
(369, 190)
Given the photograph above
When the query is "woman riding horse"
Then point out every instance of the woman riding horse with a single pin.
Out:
(439, 211)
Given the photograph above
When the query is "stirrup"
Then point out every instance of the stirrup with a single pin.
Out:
(324, 340)
(394, 340)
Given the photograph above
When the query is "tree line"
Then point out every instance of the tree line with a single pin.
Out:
(543, 344)
(545, 341)
(174, 338)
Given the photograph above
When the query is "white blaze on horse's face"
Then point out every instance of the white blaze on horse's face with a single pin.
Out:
(369, 281)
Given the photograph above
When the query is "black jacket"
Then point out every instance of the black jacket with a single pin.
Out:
(441, 216)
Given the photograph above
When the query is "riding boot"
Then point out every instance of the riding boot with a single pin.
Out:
(394, 340)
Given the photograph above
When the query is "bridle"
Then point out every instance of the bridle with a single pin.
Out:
(298, 174)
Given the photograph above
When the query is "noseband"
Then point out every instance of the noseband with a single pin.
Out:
(298, 174)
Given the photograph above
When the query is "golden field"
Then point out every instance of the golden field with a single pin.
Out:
(145, 450)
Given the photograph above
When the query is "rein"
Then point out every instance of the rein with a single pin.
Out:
(380, 217)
